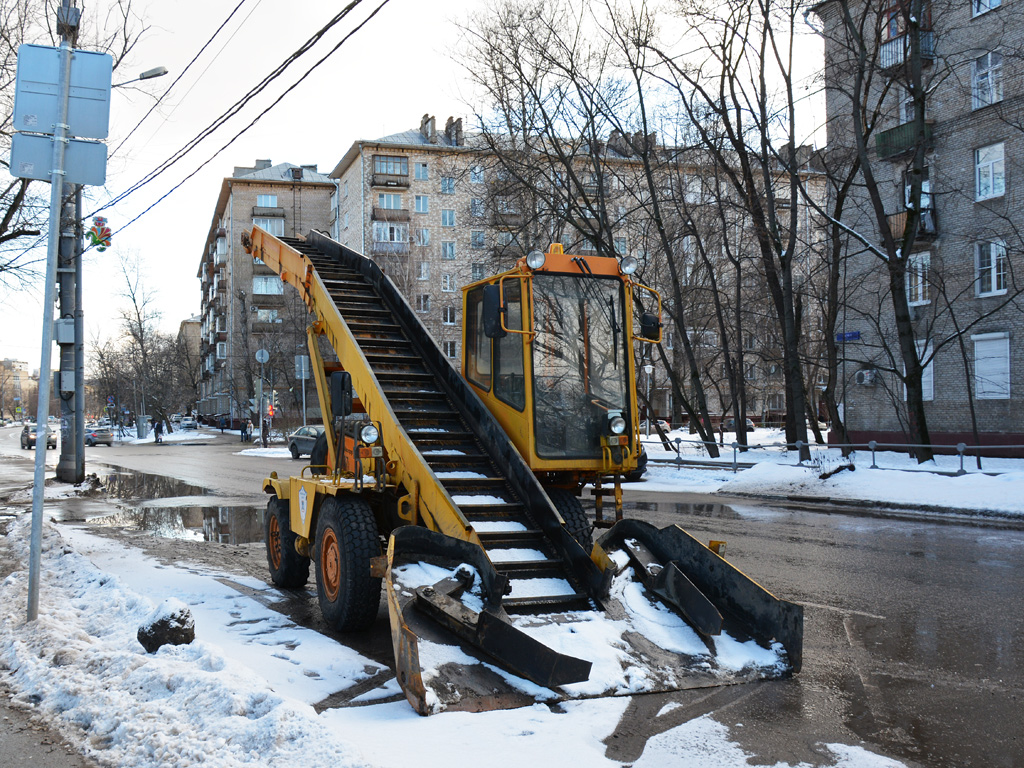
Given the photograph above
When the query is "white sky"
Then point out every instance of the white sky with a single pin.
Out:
(380, 82)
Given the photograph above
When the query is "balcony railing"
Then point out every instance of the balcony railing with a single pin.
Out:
(896, 51)
(508, 219)
(901, 139)
(391, 180)
(267, 213)
(390, 248)
(927, 228)
(391, 214)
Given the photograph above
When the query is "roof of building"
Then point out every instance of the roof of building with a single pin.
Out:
(263, 171)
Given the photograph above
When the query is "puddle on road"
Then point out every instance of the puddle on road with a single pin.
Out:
(174, 509)
(708, 510)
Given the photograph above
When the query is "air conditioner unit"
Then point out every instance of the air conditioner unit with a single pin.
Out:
(866, 377)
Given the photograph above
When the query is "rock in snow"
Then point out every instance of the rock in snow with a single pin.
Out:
(171, 623)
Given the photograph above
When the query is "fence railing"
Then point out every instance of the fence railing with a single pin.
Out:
(962, 449)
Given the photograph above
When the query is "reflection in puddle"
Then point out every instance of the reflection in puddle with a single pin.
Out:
(708, 509)
(220, 525)
(129, 484)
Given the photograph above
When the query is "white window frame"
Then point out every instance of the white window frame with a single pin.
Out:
(423, 302)
(448, 315)
(423, 236)
(993, 272)
(924, 350)
(979, 7)
(477, 239)
(990, 171)
(422, 172)
(620, 246)
(447, 185)
(272, 224)
(424, 271)
(476, 174)
(986, 80)
(918, 266)
(269, 285)
(222, 350)
(992, 382)
(451, 349)
(390, 232)
(477, 271)
(447, 217)
(389, 201)
(422, 204)
(476, 207)
(448, 250)
(447, 283)
(266, 201)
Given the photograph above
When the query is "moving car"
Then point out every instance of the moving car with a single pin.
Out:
(187, 422)
(302, 440)
(97, 435)
(28, 436)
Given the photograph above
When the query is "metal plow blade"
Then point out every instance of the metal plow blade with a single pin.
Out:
(456, 648)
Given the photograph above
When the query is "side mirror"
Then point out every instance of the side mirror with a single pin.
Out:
(492, 310)
(341, 394)
(650, 326)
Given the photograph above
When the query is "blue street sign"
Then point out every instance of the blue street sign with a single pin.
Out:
(848, 336)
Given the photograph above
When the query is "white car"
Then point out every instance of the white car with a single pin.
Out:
(187, 422)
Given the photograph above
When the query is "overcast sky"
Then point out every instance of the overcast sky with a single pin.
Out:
(379, 82)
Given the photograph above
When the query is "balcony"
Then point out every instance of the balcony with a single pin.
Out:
(927, 229)
(900, 139)
(390, 214)
(259, 212)
(508, 219)
(895, 52)
(391, 180)
(390, 248)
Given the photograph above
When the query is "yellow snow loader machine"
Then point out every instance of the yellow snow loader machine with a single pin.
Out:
(461, 492)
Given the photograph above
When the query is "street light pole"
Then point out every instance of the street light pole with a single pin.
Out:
(648, 370)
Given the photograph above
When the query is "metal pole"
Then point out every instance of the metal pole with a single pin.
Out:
(262, 435)
(60, 141)
(79, 345)
(303, 401)
(67, 461)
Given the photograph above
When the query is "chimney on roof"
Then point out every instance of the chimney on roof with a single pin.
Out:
(428, 128)
(296, 173)
(263, 164)
(453, 131)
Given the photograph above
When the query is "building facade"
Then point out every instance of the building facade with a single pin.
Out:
(15, 390)
(245, 305)
(943, 81)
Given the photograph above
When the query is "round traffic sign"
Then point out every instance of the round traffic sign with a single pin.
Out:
(262, 356)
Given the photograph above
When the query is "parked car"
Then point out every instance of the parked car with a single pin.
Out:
(28, 436)
(730, 425)
(187, 422)
(97, 435)
(641, 467)
(302, 440)
(665, 427)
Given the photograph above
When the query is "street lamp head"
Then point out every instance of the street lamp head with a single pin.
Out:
(149, 74)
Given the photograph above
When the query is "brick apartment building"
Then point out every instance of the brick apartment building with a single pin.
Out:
(962, 272)
(244, 305)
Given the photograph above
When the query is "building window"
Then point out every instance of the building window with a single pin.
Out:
(346, 188)
(476, 207)
(750, 372)
(477, 271)
(423, 237)
(990, 180)
(447, 217)
(424, 271)
(448, 317)
(447, 185)
(476, 174)
(991, 366)
(266, 201)
(390, 232)
(393, 165)
(477, 239)
(620, 246)
(504, 238)
(267, 285)
(451, 349)
(990, 261)
(447, 249)
(422, 204)
(987, 80)
(979, 7)
(389, 200)
(447, 284)
(274, 226)
(267, 316)
(423, 303)
(222, 350)
(917, 278)
(421, 172)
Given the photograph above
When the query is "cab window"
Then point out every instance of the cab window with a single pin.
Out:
(477, 364)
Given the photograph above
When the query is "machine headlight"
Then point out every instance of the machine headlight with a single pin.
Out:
(628, 265)
(617, 425)
(535, 259)
(369, 434)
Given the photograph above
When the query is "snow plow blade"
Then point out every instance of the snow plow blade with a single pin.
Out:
(702, 586)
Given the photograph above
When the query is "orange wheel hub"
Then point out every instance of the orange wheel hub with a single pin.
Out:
(275, 542)
(330, 564)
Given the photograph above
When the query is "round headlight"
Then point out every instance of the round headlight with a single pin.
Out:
(617, 425)
(535, 259)
(628, 265)
(369, 434)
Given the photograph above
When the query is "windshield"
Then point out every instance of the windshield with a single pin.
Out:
(579, 362)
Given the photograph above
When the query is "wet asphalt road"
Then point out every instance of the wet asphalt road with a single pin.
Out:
(913, 626)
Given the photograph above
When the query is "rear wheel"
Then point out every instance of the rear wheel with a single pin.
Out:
(346, 542)
(576, 520)
(294, 449)
(287, 567)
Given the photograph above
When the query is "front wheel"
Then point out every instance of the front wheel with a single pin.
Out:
(287, 567)
(576, 520)
(346, 542)
(294, 449)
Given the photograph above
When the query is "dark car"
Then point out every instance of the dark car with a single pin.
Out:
(28, 437)
(302, 440)
(730, 425)
(97, 435)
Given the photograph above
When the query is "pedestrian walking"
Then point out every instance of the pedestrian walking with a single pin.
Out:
(241, 433)
(248, 430)
(158, 430)
(223, 424)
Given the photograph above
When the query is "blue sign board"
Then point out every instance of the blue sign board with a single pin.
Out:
(848, 336)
